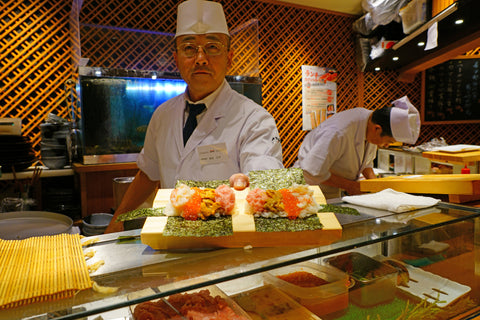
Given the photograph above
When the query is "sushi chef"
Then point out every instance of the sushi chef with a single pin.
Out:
(210, 132)
(335, 154)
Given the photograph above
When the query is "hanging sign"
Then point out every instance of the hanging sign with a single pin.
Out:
(319, 95)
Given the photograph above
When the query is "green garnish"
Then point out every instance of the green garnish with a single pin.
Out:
(276, 179)
(284, 224)
(215, 227)
(141, 213)
(122, 239)
(213, 184)
(338, 209)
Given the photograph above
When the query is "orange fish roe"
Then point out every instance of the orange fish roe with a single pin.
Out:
(303, 279)
(192, 207)
(290, 203)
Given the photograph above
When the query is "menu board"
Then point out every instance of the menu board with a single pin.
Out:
(452, 91)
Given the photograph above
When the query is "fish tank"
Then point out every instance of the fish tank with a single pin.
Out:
(117, 104)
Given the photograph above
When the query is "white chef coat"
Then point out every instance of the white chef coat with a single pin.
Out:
(338, 145)
(245, 128)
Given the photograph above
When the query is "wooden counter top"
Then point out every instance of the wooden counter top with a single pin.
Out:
(453, 157)
(45, 173)
(460, 184)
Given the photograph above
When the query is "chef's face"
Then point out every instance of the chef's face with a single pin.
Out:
(375, 136)
(203, 61)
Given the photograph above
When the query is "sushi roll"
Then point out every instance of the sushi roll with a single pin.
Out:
(294, 202)
(194, 203)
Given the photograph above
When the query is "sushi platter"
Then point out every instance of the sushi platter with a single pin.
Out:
(244, 233)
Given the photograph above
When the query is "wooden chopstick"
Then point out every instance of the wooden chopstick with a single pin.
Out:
(439, 291)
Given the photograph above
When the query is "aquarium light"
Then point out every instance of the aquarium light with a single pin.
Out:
(166, 86)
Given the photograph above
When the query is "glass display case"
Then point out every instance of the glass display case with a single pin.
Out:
(437, 246)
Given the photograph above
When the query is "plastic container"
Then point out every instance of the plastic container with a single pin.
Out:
(414, 14)
(329, 298)
(270, 303)
(375, 281)
(230, 310)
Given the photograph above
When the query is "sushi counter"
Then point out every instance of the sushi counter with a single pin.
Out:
(419, 263)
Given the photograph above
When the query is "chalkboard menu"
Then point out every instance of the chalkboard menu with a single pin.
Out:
(452, 91)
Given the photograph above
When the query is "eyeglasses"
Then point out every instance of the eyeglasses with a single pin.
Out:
(190, 50)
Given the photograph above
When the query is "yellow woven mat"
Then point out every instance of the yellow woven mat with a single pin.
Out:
(41, 269)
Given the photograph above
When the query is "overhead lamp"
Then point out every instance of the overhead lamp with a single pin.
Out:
(459, 21)
(421, 44)
(377, 68)
(395, 58)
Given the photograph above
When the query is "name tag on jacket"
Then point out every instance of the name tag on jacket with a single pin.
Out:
(214, 153)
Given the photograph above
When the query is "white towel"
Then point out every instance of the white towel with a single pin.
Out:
(391, 200)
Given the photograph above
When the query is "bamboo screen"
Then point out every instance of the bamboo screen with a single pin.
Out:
(37, 58)
(41, 269)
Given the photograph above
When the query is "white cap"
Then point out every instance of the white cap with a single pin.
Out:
(200, 17)
(404, 121)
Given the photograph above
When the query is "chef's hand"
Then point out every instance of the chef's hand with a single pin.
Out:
(353, 188)
(114, 227)
(239, 181)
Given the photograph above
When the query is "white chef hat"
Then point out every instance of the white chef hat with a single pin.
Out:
(200, 17)
(404, 121)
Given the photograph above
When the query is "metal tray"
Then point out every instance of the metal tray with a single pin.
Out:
(20, 225)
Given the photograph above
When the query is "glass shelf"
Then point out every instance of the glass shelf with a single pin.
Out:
(134, 267)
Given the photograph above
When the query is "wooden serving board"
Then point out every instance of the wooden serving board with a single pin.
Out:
(244, 233)
(462, 184)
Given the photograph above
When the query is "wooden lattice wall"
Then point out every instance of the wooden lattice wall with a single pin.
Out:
(38, 57)
(35, 62)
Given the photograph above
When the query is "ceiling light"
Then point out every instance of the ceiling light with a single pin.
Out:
(377, 68)
(395, 58)
(421, 44)
(459, 21)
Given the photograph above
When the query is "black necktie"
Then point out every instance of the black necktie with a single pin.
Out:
(193, 111)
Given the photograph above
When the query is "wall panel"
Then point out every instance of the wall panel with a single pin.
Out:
(35, 62)
(36, 58)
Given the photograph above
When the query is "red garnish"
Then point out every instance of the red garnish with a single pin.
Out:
(192, 207)
(290, 203)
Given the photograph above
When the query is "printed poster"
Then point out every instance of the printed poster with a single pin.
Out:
(319, 95)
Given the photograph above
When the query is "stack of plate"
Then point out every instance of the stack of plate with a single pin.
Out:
(16, 152)
(54, 144)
